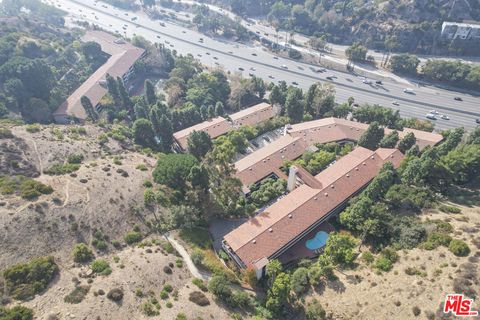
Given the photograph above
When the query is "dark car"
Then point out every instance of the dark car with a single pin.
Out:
(379, 82)
(241, 69)
(458, 99)
(477, 120)
(295, 83)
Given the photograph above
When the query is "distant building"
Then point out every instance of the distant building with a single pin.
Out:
(462, 31)
(219, 126)
(123, 56)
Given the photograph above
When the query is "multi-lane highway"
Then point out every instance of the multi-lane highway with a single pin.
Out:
(255, 60)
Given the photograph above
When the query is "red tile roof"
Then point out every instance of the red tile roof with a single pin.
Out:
(253, 115)
(214, 127)
(286, 220)
(122, 56)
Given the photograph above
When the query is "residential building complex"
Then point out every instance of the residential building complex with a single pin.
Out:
(123, 56)
(283, 229)
(221, 125)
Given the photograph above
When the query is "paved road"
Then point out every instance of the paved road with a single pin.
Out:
(234, 57)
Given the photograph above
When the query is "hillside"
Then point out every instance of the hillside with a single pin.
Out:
(99, 196)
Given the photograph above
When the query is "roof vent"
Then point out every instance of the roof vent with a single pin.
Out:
(250, 169)
(290, 216)
(268, 158)
(326, 194)
(372, 157)
(254, 241)
(356, 169)
(391, 156)
(348, 176)
(315, 198)
(270, 230)
(358, 129)
(332, 186)
(283, 157)
(364, 164)
(264, 160)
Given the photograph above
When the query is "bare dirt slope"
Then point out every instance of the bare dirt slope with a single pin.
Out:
(99, 196)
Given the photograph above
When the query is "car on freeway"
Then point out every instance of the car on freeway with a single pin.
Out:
(183, 31)
(430, 116)
(366, 81)
(295, 83)
(477, 120)
(134, 18)
(444, 117)
(408, 90)
(250, 74)
(433, 111)
(162, 24)
(230, 52)
(254, 54)
(215, 58)
(216, 63)
(356, 105)
(208, 53)
(458, 99)
(241, 69)
(284, 66)
(276, 58)
(199, 55)
(321, 70)
(271, 77)
(330, 78)
(300, 68)
(158, 37)
(395, 103)
(379, 82)
(253, 69)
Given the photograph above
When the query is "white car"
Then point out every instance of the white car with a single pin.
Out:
(284, 66)
(408, 90)
(445, 117)
(433, 111)
(395, 103)
(366, 81)
(430, 116)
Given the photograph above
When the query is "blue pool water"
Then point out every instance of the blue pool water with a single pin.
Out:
(318, 241)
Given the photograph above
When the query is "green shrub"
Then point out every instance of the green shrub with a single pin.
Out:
(141, 167)
(81, 253)
(368, 257)
(16, 313)
(133, 237)
(101, 266)
(179, 263)
(436, 239)
(442, 226)
(169, 304)
(168, 288)
(116, 294)
(5, 133)
(102, 139)
(240, 299)
(24, 280)
(200, 284)
(147, 184)
(33, 128)
(299, 280)
(387, 258)
(31, 189)
(149, 309)
(75, 158)
(197, 257)
(449, 209)
(59, 169)
(199, 298)
(315, 311)
(77, 295)
(181, 316)
(459, 248)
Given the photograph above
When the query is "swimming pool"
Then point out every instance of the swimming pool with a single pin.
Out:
(318, 241)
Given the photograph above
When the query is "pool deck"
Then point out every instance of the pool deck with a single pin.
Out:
(300, 250)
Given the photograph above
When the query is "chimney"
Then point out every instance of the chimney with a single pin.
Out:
(292, 178)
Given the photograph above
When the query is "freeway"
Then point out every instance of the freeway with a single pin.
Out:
(245, 59)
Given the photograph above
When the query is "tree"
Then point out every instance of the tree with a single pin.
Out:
(258, 86)
(274, 267)
(199, 143)
(140, 111)
(404, 64)
(342, 110)
(143, 133)
(150, 92)
(390, 140)
(124, 97)
(211, 112)
(82, 253)
(320, 100)
(299, 280)
(14, 88)
(315, 311)
(340, 248)
(37, 110)
(371, 137)
(173, 170)
(219, 109)
(18, 312)
(112, 88)
(279, 293)
(407, 142)
(199, 177)
(356, 52)
(294, 104)
(277, 97)
(474, 137)
(89, 110)
(91, 50)
(166, 134)
(219, 286)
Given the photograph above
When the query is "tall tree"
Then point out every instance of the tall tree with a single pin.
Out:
(150, 92)
(124, 96)
(112, 88)
(407, 142)
(390, 140)
(371, 137)
(199, 143)
(89, 109)
(165, 134)
(219, 109)
(294, 104)
(143, 133)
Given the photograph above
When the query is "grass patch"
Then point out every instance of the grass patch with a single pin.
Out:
(141, 167)
(449, 209)
(25, 187)
(101, 266)
(33, 128)
(5, 133)
(196, 237)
